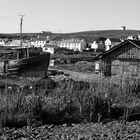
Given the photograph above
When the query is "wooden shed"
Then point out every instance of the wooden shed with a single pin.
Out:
(121, 59)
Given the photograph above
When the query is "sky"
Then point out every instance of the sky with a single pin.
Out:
(63, 16)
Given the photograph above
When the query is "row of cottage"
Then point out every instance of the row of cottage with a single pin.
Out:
(75, 44)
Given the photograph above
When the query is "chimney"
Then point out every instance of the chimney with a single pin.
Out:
(123, 28)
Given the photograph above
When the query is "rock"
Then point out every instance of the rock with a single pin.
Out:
(88, 131)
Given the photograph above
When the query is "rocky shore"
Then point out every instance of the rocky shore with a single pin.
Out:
(86, 131)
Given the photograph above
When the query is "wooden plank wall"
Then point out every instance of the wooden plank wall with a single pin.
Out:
(123, 60)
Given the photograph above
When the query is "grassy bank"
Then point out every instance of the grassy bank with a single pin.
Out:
(69, 102)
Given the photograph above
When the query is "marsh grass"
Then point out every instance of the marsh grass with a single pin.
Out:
(69, 102)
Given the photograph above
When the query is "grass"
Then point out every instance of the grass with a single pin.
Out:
(69, 102)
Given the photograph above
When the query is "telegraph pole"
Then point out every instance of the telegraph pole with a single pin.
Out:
(21, 20)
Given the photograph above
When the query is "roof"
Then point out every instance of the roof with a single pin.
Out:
(8, 43)
(136, 43)
(102, 39)
(10, 48)
(19, 47)
(74, 40)
(39, 39)
(15, 43)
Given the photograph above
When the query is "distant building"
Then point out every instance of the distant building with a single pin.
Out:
(136, 37)
(101, 47)
(38, 42)
(2, 42)
(130, 37)
(49, 48)
(75, 44)
(107, 44)
(123, 28)
(111, 42)
(51, 43)
(17, 42)
(115, 41)
(94, 45)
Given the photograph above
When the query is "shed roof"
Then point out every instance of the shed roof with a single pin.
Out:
(136, 43)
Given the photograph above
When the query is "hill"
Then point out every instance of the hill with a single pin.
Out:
(89, 36)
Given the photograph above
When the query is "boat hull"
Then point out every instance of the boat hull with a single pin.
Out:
(35, 66)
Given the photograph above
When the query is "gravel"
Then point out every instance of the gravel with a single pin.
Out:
(114, 130)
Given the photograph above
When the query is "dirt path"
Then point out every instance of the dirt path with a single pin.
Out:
(81, 76)
(90, 77)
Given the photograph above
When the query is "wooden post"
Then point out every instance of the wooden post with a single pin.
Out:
(27, 52)
(17, 54)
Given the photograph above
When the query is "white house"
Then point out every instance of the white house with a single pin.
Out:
(49, 48)
(17, 42)
(108, 44)
(2, 42)
(75, 44)
(94, 45)
(39, 42)
(111, 42)
(130, 37)
(104, 42)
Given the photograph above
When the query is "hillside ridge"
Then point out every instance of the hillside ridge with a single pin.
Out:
(89, 36)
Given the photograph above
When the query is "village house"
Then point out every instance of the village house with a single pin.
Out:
(75, 44)
(107, 42)
(130, 37)
(115, 41)
(13, 42)
(94, 45)
(39, 41)
(3, 41)
(17, 42)
(49, 48)
(136, 37)
(111, 42)
(121, 59)
(98, 45)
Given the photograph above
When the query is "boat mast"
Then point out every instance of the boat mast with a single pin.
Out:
(21, 19)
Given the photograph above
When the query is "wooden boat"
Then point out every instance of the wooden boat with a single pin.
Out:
(24, 61)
